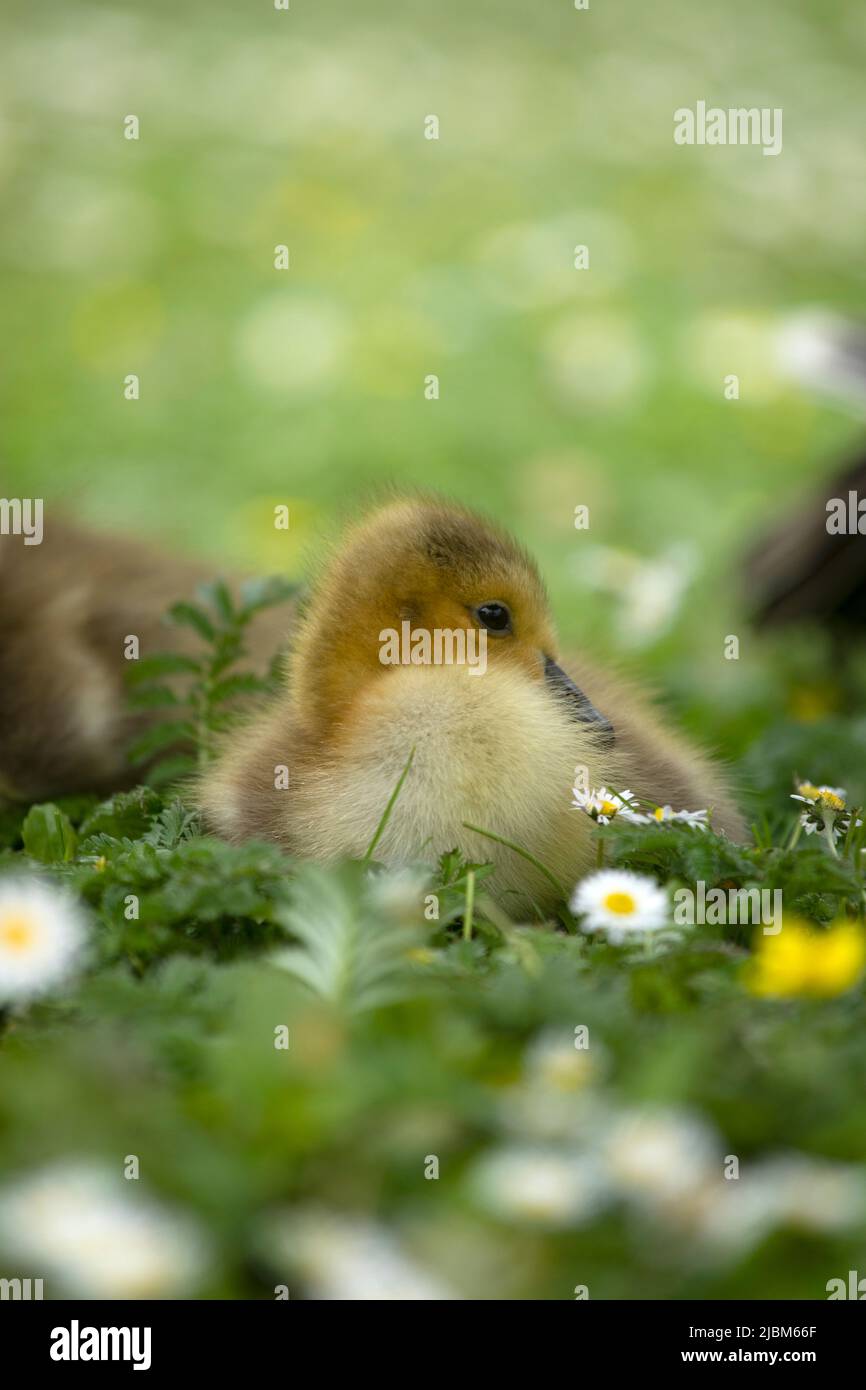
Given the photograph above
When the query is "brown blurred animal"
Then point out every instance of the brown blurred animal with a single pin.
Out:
(808, 569)
(66, 607)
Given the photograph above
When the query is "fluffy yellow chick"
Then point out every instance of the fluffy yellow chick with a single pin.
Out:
(497, 749)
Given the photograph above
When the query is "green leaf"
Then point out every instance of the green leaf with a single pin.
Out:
(167, 770)
(173, 825)
(154, 697)
(190, 615)
(244, 683)
(161, 736)
(386, 814)
(162, 664)
(217, 594)
(48, 834)
(128, 814)
(350, 952)
(264, 593)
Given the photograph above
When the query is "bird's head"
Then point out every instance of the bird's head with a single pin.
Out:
(424, 582)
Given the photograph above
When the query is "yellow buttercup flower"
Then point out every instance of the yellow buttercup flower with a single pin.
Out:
(841, 960)
(802, 961)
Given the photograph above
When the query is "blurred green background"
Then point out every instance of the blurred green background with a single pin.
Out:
(558, 387)
(410, 256)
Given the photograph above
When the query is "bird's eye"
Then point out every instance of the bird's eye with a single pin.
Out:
(494, 616)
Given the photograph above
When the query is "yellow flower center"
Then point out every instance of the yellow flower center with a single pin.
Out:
(608, 808)
(831, 801)
(808, 789)
(659, 813)
(17, 933)
(621, 903)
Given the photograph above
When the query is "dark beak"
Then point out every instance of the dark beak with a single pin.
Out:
(580, 707)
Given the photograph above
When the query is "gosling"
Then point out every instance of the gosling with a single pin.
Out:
(497, 749)
(67, 609)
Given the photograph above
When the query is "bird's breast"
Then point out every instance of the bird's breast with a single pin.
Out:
(496, 752)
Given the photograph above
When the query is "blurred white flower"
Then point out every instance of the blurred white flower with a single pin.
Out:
(93, 1233)
(42, 938)
(786, 1190)
(292, 345)
(538, 1115)
(656, 1156)
(813, 1194)
(399, 893)
(620, 903)
(557, 1099)
(649, 589)
(539, 1186)
(727, 1218)
(553, 1061)
(825, 352)
(346, 1258)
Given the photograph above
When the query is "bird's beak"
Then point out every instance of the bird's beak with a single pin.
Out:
(580, 707)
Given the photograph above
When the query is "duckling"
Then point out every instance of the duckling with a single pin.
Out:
(495, 749)
(67, 606)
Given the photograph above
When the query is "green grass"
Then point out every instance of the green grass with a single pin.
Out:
(286, 1048)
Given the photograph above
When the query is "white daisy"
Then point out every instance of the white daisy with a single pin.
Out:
(341, 1257)
(655, 1155)
(789, 1189)
(554, 1062)
(539, 1186)
(831, 796)
(696, 819)
(97, 1236)
(620, 903)
(556, 1099)
(814, 1194)
(398, 894)
(42, 937)
(826, 809)
(603, 805)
